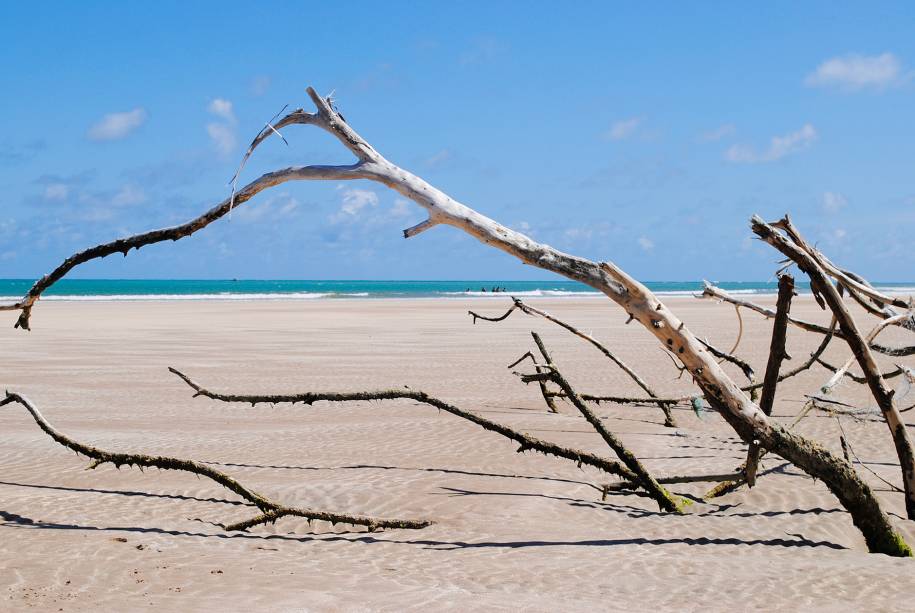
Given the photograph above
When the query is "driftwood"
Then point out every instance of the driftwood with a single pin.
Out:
(859, 345)
(642, 476)
(631, 470)
(518, 304)
(270, 511)
(711, 291)
(747, 419)
(777, 355)
(525, 441)
(544, 390)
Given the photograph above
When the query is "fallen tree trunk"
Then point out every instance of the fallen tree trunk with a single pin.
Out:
(270, 510)
(722, 393)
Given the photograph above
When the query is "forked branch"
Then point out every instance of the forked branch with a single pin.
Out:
(518, 304)
(859, 345)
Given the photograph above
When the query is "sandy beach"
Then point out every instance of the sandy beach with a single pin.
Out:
(512, 531)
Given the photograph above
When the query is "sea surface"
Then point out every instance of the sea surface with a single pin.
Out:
(250, 289)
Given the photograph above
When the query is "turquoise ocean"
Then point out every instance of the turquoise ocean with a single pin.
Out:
(231, 289)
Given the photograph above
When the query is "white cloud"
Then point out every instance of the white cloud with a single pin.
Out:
(128, 195)
(260, 84)
(438, 159)
(779, 147)
(855, 72)
(722, 131)
(56, 191)
(833, 202)
(278, 207)
(401, 208)
(222, 136)
(354, 200)
(623, 128)
(645, 243)
(222, 108)
(578, 234)
(838, 234)
(116, 126)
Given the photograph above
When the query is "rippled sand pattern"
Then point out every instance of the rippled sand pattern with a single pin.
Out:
(513, 531)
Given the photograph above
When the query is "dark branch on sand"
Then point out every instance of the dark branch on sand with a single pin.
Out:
(518, 304)
(270, 510)
(526, 442)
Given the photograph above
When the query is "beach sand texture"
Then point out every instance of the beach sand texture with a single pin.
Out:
(513, 531)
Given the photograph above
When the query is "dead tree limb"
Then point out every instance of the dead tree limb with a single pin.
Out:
(743, 365)
(855, 284)
(859, 346)
(711, 291)
(544, 391)
(642, 476)
(525, 441)
(270, 510)
(518, 304)
(777, 355)
(721, 392)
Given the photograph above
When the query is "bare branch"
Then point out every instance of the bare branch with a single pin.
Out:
(717, 293)
(271, 511)
(859, 346)
(777, 354)
(642, 476)
(517, 303)
(722, 393)
(525, 441)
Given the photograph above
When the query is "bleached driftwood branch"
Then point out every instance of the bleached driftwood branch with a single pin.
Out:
(520, 305)
(270, 510)
(721, 392)
(859, 345)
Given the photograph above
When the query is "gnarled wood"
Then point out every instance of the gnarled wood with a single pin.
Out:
(270, 510)
(711, 291)
(525, 441)
(860, 348)
(642, 476)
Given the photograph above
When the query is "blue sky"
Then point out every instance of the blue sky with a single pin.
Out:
(643, 136)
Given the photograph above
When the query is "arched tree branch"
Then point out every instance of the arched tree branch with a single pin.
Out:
(722, 393)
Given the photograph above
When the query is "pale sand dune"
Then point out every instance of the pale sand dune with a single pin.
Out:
(513, 531)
